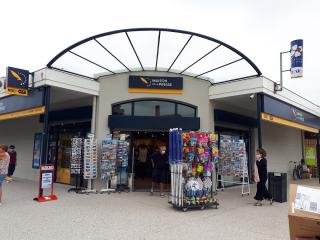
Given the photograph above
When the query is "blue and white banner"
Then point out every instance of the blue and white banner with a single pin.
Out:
(296, 51)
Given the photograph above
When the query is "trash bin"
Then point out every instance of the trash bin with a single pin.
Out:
(277, 185)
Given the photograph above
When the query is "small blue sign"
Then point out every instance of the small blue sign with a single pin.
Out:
(296, 51)
(17, 81)
(149, 82)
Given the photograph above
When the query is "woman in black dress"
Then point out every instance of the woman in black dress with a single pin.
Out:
(261, 177)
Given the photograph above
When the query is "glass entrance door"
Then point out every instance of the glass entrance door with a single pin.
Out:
(64, 157)
(144, 145)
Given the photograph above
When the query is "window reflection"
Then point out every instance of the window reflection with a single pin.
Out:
(185, 111)
(153, 108)
(122, 109)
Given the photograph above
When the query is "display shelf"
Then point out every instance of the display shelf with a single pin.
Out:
(233, 163)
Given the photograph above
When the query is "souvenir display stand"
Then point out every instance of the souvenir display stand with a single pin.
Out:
(122, 162)
(233, 163)
(108, 163)
(76, 163)
(90, 162)
(114, 163)
(192, 158)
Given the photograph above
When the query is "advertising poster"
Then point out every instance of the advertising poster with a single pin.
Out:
(296, 58)
(310, 156)
(46, 180)
(37, 150)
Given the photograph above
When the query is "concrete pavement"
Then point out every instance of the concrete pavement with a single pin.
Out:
(134, 216)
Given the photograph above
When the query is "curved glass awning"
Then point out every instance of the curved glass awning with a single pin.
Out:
(155, 49)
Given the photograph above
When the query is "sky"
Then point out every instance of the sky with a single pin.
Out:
(32, 32)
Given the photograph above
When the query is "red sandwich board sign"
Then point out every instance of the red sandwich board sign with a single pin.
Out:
(46, 181)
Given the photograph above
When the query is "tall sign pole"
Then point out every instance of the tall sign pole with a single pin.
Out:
(296, 66)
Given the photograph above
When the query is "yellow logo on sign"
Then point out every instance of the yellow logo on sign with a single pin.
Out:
(146, 81)
(17, 91)
(16, 75)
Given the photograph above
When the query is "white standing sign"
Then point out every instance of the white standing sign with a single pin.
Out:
(46, 180)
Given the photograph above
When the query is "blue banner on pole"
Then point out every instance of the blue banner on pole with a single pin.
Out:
(296, 51)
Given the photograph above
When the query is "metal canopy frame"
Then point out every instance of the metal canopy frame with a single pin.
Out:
(122, 62)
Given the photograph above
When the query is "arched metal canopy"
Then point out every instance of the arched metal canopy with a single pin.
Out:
(155, 49)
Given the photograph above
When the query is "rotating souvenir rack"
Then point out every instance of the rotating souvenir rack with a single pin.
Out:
(233, 164)
(122, 163)
(90, 162)
(76, 163)
(114, 162)
(192, 158)
(108, 163)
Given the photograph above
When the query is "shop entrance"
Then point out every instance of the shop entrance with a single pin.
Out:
(59, 151)
(144, 144)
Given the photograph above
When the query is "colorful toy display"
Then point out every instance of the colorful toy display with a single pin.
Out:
(192, 157)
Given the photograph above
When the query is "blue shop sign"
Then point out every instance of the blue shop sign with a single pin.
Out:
(11, 104)
(289, 112)
(155, 84)
(17, 81)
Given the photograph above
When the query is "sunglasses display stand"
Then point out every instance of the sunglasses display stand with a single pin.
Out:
(192, 158)
(233, 164)
(90, 163)
(76, 164)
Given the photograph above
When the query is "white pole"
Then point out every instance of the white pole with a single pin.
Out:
(93, 130)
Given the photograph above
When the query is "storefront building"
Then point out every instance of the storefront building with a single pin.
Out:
(117, 82)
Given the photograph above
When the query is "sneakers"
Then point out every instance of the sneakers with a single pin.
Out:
(151, 192)
(9, 179)
(271, 201)
(162, 195)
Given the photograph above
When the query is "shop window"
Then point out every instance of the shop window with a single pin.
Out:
(154, 108)
(185, 111)
(122, 109)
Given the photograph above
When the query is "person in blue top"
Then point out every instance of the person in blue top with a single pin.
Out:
(159, 161)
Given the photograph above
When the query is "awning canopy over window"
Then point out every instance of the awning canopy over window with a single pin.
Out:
(155, 49)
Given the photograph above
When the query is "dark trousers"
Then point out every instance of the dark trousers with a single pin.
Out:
(11, 169)
(142, 169)
(262, 191)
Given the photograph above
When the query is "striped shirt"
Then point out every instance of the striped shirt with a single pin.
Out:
(4, 163)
